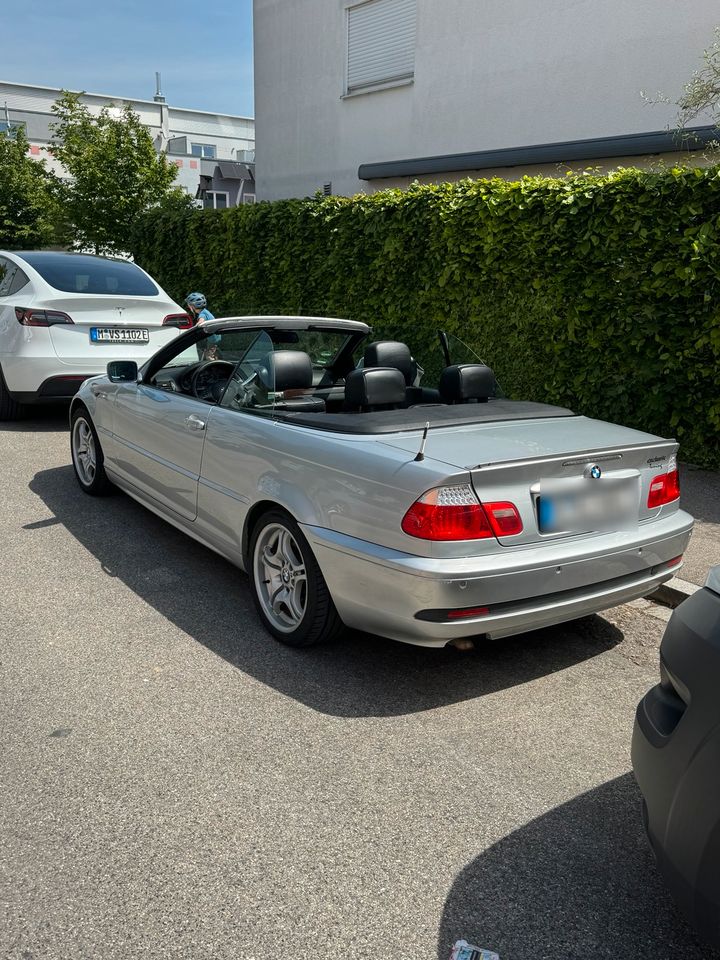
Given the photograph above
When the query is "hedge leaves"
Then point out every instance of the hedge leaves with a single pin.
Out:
(597, 292)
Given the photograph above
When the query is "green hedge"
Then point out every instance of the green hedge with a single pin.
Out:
(601, 293)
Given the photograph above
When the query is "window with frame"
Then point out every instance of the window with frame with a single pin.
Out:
(7, 272)
(18, 281)
(380, 43)
(205, 150)
(215, 200)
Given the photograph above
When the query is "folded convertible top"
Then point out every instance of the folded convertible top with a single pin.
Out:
(415, 418)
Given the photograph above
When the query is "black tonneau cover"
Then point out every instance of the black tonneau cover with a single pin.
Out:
(415, 418)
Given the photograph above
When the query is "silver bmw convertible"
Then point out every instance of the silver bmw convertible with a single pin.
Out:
(313, 458)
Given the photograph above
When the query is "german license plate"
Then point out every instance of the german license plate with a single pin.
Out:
(119, 335)
(606, 504)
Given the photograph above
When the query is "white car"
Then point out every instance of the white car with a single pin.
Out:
(64, 315)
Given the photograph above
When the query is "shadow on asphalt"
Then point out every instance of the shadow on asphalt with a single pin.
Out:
(579, 882)
(39, 420)
(361, 675)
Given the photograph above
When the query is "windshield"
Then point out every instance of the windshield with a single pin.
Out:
(78, 273)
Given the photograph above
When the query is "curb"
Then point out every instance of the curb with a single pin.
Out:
(672, 593)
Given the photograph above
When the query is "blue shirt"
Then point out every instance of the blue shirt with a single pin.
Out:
(204, 316)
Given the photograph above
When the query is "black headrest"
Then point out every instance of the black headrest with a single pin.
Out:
(467, 381)
(286, 370)
(374, 387)
(390, 353)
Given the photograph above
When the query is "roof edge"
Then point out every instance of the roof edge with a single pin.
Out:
(117, 96)
(624, 145)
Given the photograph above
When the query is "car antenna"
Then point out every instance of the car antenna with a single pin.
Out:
(421, 451)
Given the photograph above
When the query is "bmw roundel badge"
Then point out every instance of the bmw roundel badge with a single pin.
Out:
(593, 472)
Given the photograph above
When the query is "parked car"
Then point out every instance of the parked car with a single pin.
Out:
(64, 315)
(315, 461)
(676, 758)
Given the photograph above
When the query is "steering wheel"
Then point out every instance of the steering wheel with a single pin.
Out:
(203, 380)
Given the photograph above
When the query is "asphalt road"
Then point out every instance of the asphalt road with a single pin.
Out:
(175, 784)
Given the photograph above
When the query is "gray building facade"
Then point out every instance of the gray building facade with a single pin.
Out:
(214, 153)
(357, 95)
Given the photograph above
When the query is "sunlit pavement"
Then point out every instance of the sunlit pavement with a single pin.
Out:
(175, 784)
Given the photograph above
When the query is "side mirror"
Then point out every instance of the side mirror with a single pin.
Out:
(122, 371)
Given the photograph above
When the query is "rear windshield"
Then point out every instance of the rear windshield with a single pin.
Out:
(76, 273)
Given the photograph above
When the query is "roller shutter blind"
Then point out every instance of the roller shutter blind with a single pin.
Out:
(381, 42)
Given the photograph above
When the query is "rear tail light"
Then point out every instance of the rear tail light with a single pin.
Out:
(180, 320)
(455, 513)
(40, 318)
(664, 489)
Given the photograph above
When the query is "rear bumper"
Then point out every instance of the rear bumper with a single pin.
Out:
(399, 595)
(52, 390)
(43, 379)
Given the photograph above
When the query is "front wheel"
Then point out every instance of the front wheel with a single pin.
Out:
(87, 455)
(288, 587)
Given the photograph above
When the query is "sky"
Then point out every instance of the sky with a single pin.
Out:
(203, 50)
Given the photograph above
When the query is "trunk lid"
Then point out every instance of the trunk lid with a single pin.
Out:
(71, 341)
(523, 460)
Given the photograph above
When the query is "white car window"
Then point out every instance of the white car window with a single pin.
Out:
(7, 272)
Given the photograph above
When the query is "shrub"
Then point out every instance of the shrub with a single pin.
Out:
(597, 292)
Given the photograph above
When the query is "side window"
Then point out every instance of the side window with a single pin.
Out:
(18, 281)
(7, 272)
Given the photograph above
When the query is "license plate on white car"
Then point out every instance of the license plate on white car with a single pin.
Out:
(119, 335)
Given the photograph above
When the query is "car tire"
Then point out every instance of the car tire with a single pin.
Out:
(288, 587)
(87, 456)
(9, 409)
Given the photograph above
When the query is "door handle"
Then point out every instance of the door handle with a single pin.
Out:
(195, 423)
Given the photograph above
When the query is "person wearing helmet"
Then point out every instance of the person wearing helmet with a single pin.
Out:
(197, 308)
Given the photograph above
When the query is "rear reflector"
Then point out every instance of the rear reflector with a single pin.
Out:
(675, 561)
(40, 318)
(467, 613)
(180, 320)
(447, 513)
(664, 489)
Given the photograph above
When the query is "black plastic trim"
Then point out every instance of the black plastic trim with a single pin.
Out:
(566, 151)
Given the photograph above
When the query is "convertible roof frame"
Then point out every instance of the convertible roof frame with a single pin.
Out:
(292, 323)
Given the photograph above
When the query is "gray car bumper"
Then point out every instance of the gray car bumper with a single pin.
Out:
(406, 597)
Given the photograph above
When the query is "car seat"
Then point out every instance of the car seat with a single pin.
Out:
(392, 353)
(467, 383)
(289, 375)
(374, 388)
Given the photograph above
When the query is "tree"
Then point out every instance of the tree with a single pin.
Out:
(702, 92)
(28, 210)
(114, 174)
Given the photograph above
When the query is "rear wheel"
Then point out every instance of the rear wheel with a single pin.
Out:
(9, 409)
(87, 455)
(288, 588)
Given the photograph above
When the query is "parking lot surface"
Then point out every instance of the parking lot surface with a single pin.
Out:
(173, 783)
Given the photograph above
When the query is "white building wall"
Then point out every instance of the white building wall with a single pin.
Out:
(488, 75)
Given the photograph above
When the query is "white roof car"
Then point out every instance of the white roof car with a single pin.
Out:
(64, 315)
